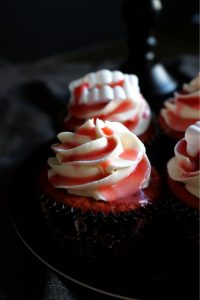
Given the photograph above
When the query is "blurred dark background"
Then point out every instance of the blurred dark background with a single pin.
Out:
(44, 44)
(32, 30)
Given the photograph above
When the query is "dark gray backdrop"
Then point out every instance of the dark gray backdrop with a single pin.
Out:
(37, 28)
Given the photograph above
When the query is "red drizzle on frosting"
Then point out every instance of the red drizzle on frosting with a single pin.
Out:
(125, 187)
(130, 124)
(179, 123)
(79, 90)
(58, 180)
(90, 132)
(192, 101)
(92, 155)
(190, 166)
(82, 109)
(107, 131)
(129, 154)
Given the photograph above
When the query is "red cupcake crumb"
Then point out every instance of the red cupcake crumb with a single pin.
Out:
(143, 198)
(180, 192)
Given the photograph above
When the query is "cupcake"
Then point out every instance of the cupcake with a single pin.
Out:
(182, 110)
(109, 95)
(179, 113)
(184, 178)
(99, 191)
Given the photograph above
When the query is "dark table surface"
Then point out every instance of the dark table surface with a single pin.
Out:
(31, 98)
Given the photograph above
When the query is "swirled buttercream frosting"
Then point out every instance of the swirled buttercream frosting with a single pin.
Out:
(102, 160)
(184, 166)
(108, 95)
(183, 109)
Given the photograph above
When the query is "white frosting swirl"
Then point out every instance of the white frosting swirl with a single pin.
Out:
(184, 167)
(110, 95)
(102, 160)
(184, 109)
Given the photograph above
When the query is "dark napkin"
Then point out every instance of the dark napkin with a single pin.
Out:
(32, 96)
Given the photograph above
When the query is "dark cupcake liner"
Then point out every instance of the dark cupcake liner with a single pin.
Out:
(186, 221)
(94, 236)
(90, 235)
(185, 218)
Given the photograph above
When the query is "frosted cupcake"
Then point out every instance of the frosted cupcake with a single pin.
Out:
(184, 180)
(99, 190)
(177, 115)
(183, 168)
(109, 95)
(181, 111)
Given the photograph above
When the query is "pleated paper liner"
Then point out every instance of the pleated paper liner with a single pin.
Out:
(185, 210)
(95, 229)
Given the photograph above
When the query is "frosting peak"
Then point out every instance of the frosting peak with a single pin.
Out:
(192, 137)
(102, 160)
(108, 95)
(184, 166)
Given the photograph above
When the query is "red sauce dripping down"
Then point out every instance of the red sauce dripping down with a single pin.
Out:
(130, 124)
(79, 90)
(90, 132)
(193, 101)
(193, 164)
(127, 186)
(129, 154)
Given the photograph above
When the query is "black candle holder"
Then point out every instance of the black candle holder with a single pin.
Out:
(141, 18)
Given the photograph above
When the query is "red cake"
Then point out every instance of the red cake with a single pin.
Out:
(182, 194)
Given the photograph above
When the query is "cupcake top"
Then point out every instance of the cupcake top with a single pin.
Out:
(183, 109)
(184, 166)
(102, 160)
(108, 95)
